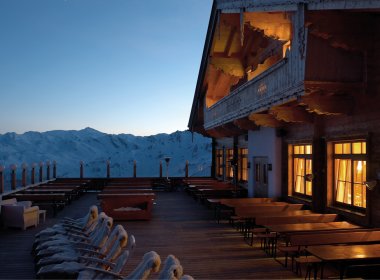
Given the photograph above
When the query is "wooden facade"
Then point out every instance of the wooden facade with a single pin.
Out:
(278, 76)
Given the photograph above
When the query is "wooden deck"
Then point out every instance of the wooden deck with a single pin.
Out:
(180, 226)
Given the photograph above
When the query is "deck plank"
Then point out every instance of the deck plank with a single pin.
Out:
(180, 226)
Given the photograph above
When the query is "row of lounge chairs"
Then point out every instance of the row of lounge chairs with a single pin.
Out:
(91, 248)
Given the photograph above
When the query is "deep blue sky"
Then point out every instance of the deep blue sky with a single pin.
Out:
(119, 66)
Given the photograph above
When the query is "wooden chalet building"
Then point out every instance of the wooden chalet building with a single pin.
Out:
(289, 90)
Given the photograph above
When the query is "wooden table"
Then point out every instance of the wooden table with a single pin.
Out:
(345, 254)
(289, 228)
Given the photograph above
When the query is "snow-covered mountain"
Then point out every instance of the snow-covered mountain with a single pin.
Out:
(93, 147)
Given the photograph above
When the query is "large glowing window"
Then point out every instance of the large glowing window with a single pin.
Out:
(219, 162)
(302, 169)
(350, 173)
(243, 165)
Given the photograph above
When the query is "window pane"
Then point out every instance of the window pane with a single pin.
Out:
(244, 175)
(302, 149)
(338, 148)
(346, 148)
(364, 148)
(360, 176)
(299, 173)
(343, 180)
(308, 149)
(357, 147)
(359, 195)
(296, 150)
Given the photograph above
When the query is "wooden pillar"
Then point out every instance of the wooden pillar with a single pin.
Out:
(108, 163)
(48, 170)
(24, 167)
(81, 169)
(13, 176)
(41, 171)
(319, 167)
(187, 169)
(33, 174)
(160, 169)
(134, 169)
(54, 169)
(2, 178)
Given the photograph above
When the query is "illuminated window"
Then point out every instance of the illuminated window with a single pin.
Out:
(243, 165)
(302, 169)
(219, 162)
(350, 173)
(229, 158)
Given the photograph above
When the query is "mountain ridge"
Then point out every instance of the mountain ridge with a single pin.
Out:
(69, 147)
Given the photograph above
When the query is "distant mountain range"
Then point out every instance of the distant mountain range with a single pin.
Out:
(93, 147)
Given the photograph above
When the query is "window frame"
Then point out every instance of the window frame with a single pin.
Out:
(352, 158)
(304, 157)
(243, 165)
(229, 152)
(219, 162)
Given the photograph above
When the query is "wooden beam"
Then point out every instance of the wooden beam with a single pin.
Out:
(228, 49)
(263, 119)
(226, 130)
(291, 114)
(230, 66)
(245, 124)
(328, 104)
(214, 133)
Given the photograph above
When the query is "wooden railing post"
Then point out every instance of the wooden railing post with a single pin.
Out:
(24, 167)
(47, 170)
(33, 174)
(41, 171)
(187, 169)
(54, 169)
(2, 168)
(81, 169)
(13, 176)
(160, 169)
(108, 162)
(134, 169)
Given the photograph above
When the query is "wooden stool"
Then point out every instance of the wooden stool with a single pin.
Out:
(41, 214)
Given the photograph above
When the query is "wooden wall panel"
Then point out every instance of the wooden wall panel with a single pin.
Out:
(326, 63)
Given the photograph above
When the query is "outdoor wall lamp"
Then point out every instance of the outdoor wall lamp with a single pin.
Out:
(370, 185)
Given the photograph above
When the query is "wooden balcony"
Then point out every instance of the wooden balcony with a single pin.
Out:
(278, 84)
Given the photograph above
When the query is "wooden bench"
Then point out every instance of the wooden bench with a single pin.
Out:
(128, 206)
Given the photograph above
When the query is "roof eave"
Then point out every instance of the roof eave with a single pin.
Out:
(203, 66)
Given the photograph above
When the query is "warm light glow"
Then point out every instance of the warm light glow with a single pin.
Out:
(285, 48)
(359, 167)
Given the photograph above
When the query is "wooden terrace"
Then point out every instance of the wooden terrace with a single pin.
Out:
(180, 226)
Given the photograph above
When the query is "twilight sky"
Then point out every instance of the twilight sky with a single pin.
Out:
(119, 66)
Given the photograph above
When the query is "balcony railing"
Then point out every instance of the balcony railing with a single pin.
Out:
(274, 86)
(15, 177)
